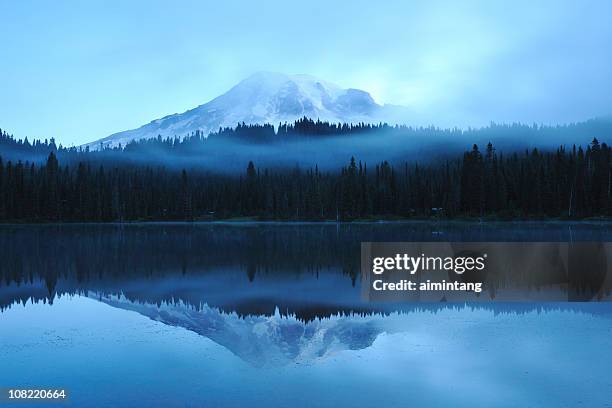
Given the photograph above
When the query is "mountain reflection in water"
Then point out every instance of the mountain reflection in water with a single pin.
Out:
(272, 309)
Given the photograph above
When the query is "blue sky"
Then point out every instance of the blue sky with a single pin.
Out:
(79, 71)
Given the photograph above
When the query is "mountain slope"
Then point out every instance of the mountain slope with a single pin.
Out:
(264, 97)
(265, 341)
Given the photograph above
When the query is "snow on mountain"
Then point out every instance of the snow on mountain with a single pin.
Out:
(265, 97)
(263, 340)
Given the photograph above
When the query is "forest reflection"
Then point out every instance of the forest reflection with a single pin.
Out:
(309, 270)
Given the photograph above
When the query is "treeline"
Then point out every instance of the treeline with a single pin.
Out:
(199, 143)
(569, 183)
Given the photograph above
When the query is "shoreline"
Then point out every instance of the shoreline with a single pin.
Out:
(231, 221)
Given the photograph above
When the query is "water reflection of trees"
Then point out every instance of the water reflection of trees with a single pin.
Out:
(45, 260)
(115, 252)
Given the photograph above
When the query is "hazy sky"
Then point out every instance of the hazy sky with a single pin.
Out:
(79, 71)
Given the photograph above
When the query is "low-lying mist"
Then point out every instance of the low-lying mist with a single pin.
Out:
(307, 144)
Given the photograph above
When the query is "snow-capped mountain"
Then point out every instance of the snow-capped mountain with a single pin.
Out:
(264, 340)
(265, 97)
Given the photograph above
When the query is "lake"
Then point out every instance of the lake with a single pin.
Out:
(271, 314)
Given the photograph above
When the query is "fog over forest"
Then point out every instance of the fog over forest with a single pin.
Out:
(307, 144)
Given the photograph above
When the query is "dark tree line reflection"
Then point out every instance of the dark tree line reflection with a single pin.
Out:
(311, 270)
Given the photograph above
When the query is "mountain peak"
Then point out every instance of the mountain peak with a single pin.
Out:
(263, 97)
(284, 95)
(272, 79)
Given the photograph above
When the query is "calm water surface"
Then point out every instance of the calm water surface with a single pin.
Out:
(234, 315)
